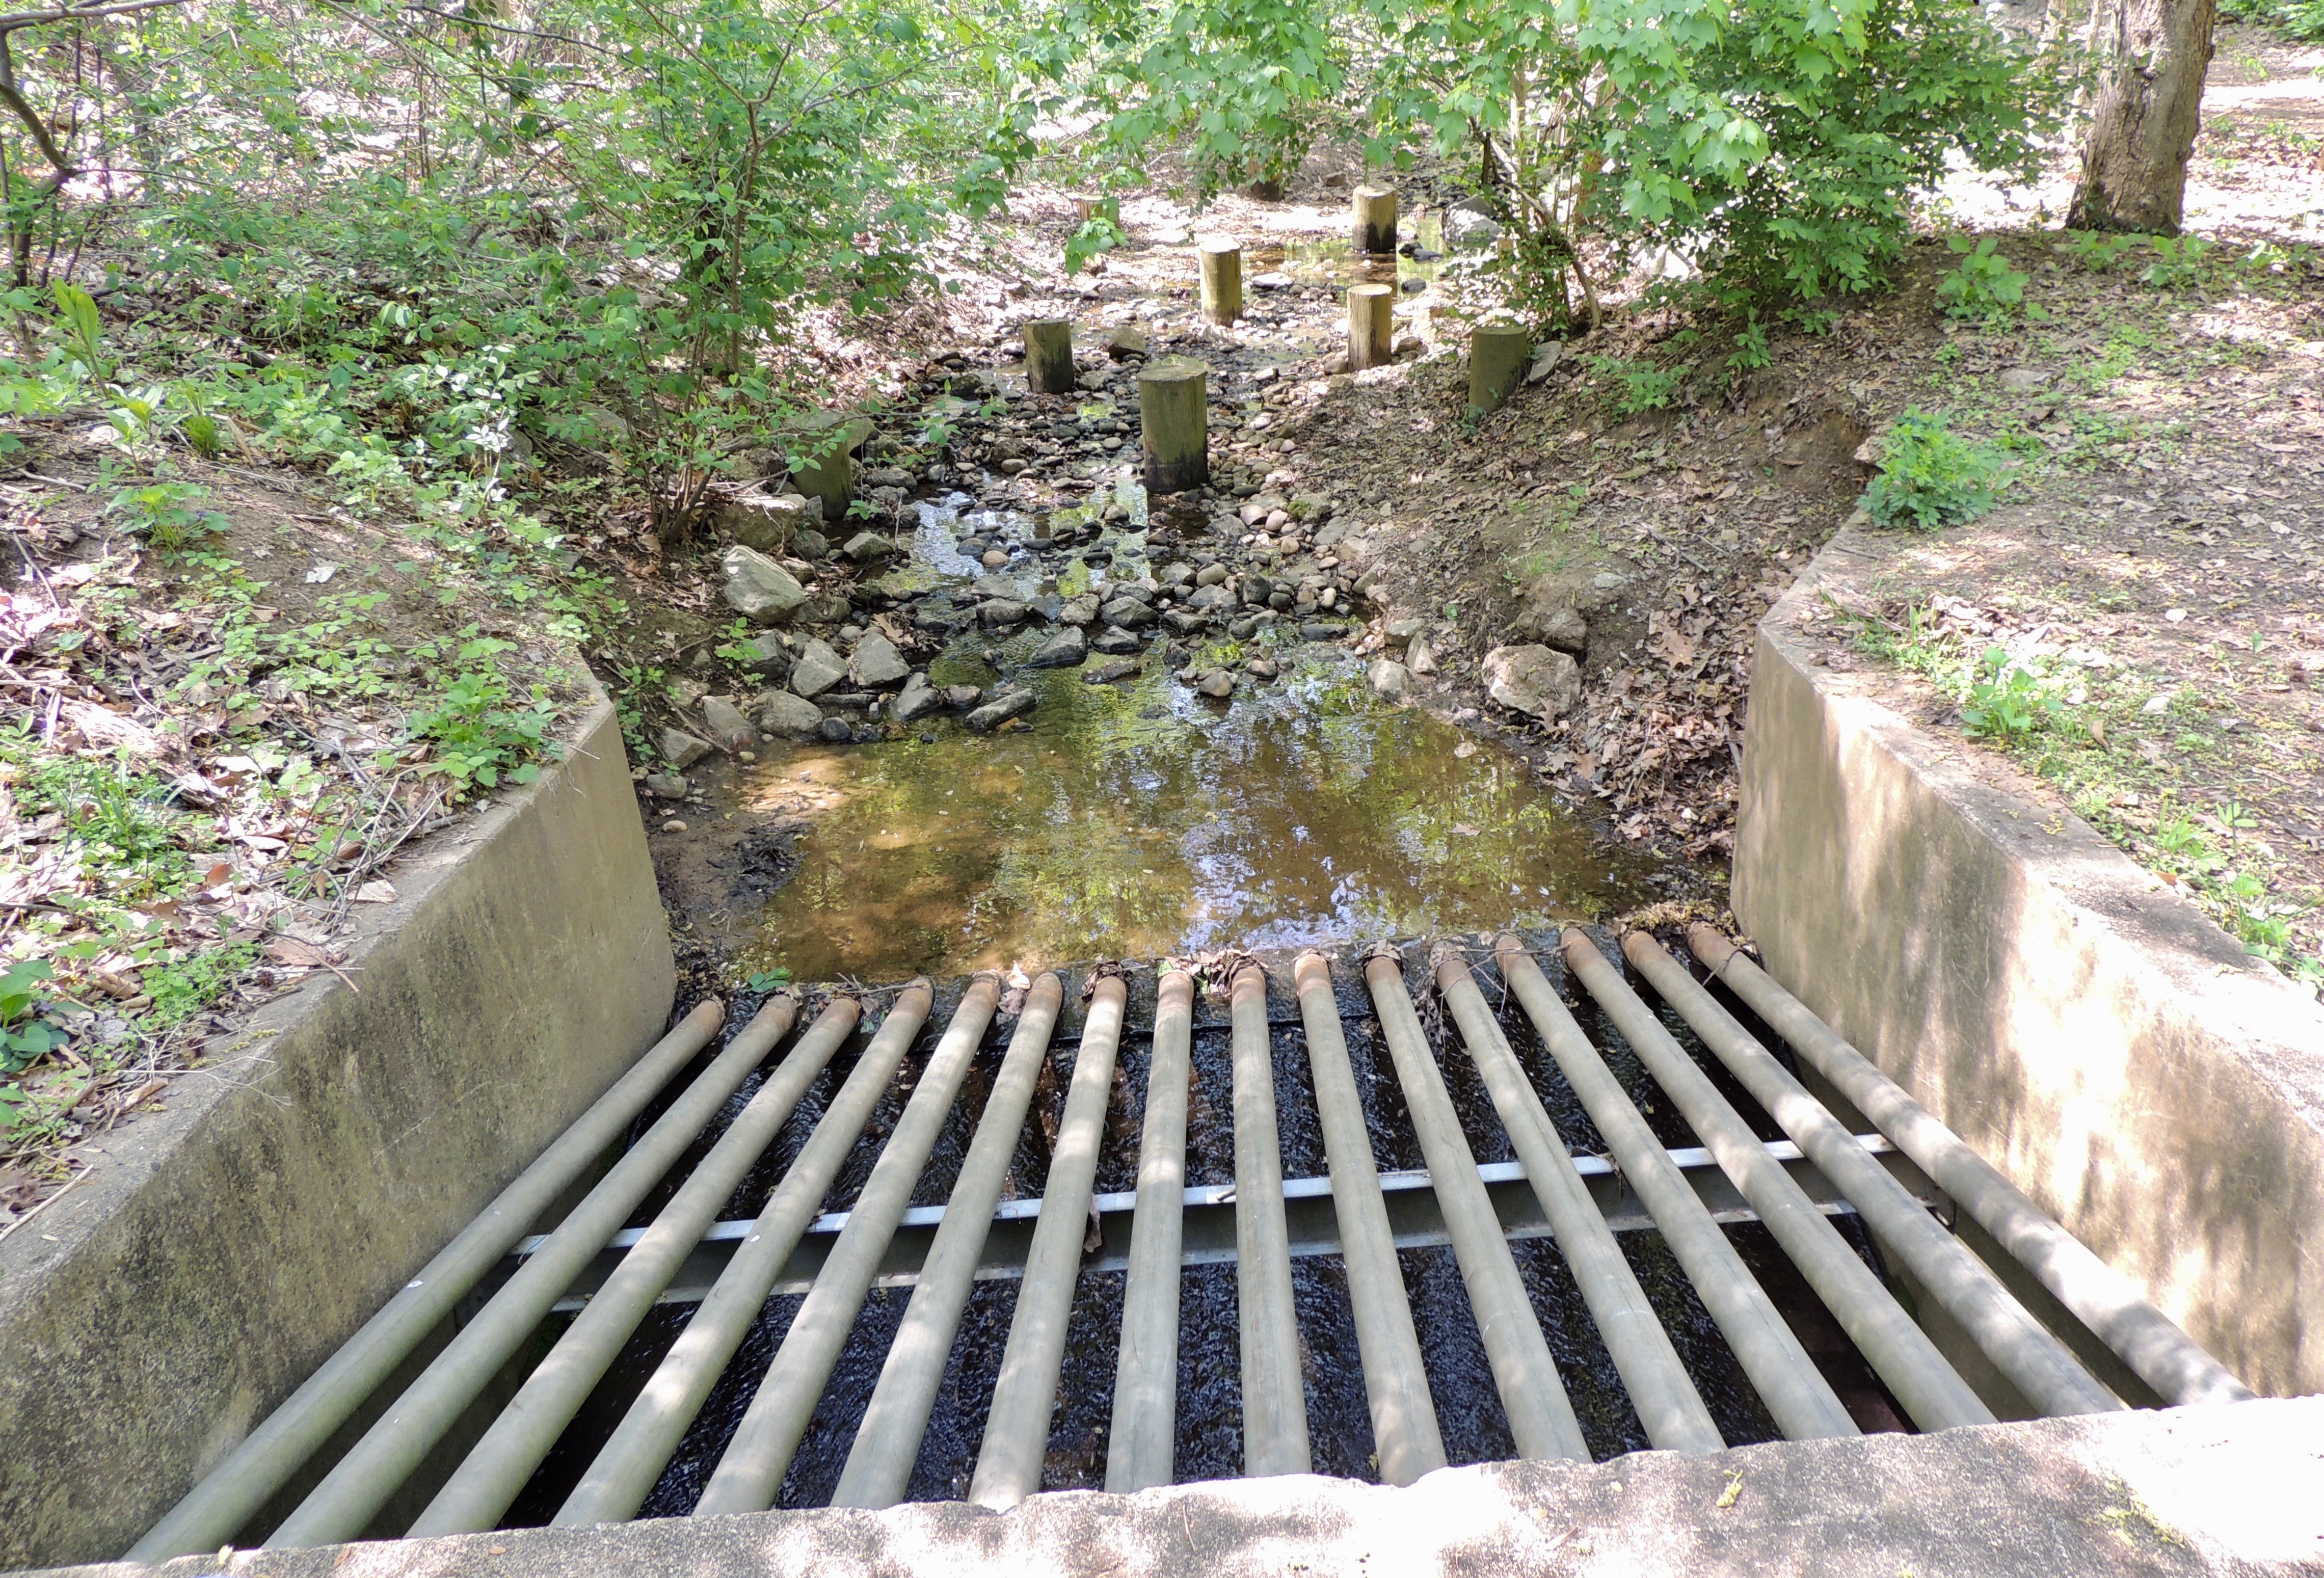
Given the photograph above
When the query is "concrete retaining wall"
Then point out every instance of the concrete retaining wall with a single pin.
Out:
(2216, 1491)
(2093, 1034)
(224, 1248)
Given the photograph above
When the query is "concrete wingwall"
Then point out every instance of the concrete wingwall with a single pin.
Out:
(222, 1249)
(2087, 1029)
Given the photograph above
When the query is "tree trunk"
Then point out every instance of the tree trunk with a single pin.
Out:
(2134, 162)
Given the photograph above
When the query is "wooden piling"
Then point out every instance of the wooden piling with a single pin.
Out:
(1174, 417)
(1370, 320)
(1375, 218)
(1050, 355)
(1221, 260)
(1499, 353)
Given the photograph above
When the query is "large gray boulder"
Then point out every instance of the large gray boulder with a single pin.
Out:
(757, 587)
(916, 699)
(1532, 679)
(818, 668)
(876, 664)
(769, 522)
(788, 716)
(999, 711)
(1065, 649)
(1127, 613)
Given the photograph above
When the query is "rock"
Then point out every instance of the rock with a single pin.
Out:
(757, 587)
(1532, 679)
(1322, 629)
(1419, 659)
(1217, 683)
(916, 699)
(818, 668)
(2024, 380)
(1126, 342)
(769, 656)
(1175, 575)
(789, 716)
(865, 547)
(1242, 630)
(1000, 710)
(836, 730)
(1391, 679)
(1565, 630)
(1400, 631)
(673, 825)
(1609, 581)
(1311, 507)
(1003, 611)
(1106, 671)
(888, 477)
(877, 665)
(824, 611)
(1065, 649)
(961, 698)
(993, 560)
(810, 544)
(768, 522)
(728, 727)
(667, 786)
(1546, 357)
(1211, 597)
(1210, 575)
(1185, 622)
(1127, 612)
(1114, 643)
(682, 750)
(1469, 227)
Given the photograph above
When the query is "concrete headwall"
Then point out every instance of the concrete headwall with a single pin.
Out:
(2090, 1032)
(224, 1248)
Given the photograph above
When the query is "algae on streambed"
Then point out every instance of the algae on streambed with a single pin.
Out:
(1139, 819)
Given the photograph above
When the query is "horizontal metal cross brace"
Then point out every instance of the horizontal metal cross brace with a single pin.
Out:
(1209, 1233)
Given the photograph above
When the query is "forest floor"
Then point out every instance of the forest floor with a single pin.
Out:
(2152, 577)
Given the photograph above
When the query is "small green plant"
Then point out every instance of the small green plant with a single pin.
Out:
(2098, 251)
(1644, 387)
(84, 333)
(182, 989)
(26, 1032)
(478, 738)
(2179, 262)
(1983, 289)
(1751, 352)
(1931, 476)
(2007, 700)
(736, 649)
(167, 515)
(1100, 233)
(767, 980)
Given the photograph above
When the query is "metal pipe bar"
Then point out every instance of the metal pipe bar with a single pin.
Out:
(1274, 1392)
(887, 1442)
(490, 1478)
(1396, 1381)
(1660, 1389)
(1541, 1415)
(1931, 1392)
(623, 1474)
(751, 1471)
(2150, 1343)
(1142, 1448)
(2036, 1363)
(1780, 1370)
(360, 1483)
(231, 1494)
(1205, 1221)
(1016, 1426)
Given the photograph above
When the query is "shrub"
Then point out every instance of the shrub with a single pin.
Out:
(1931, 476)
(1983, 289)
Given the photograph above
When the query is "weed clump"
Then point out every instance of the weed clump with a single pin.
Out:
(1931, 476)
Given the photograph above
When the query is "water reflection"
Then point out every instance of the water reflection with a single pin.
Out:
(1138, 819)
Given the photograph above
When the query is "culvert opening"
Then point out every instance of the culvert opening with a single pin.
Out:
(1361, 1214)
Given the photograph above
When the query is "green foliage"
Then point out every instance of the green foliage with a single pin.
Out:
(1644, 387)
(2009, 699)
(478, 738)
(1100, 234)
(2179, 262)
(2300, 19)
(168, 515)
(84, 334)
(26, 1032)
(2098, 250)
(773, 980)
(184, 987)
(1751, 352)
(1930, 475)
(1983, 289)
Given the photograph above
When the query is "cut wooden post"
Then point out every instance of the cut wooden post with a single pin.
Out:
(1375, 213)
(1222, 257)
(829, 442)
(1497, 355)
(1174, 415)
(1086, 206)
(1050, 355)
(1371, 309)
